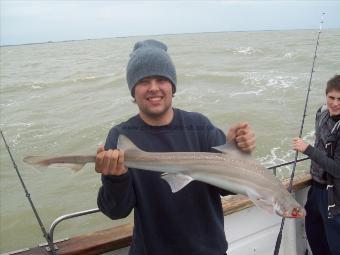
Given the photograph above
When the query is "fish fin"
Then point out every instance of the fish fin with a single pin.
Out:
(259, 202)
(76, 167)
(44, 161)
(125, 144)
(230, 148)
(36, 160)
(177, 181)
(224, 148)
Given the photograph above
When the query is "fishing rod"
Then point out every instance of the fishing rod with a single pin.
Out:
(279, 237)
(46, 236)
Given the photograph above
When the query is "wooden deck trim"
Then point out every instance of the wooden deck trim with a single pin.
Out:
(90, 244)
(119, 237)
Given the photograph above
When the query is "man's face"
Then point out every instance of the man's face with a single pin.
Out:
(333, 102)
(153, 96)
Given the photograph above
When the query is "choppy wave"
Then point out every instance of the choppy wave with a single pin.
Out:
(282, 154)
(257, 83)
(246, 50)
(289, 55)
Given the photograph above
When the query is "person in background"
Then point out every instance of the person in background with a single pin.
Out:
(323, 201)
(189, 221)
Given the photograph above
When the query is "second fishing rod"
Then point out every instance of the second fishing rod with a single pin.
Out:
(279, 237)
(50, 244)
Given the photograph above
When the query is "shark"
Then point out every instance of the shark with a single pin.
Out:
(228, 168)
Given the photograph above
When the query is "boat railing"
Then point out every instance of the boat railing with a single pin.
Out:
(69, 216)
(275, 167)
(95, 210)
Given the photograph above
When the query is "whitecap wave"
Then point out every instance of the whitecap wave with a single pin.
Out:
(255, 92)
(245, 51)
(10, 102)
(289, 55)
(279, 155)
(258, 83)
(280, 81)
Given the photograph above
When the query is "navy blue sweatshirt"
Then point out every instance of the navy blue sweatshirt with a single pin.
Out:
(189, 221)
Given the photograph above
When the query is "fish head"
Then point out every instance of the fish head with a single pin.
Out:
(292, 211)
(281, 203)
(295, 212)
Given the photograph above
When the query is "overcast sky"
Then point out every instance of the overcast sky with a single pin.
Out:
(41, 21)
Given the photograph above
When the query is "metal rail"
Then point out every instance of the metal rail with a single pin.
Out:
(68, 216)
(285, 164)
(95, 210)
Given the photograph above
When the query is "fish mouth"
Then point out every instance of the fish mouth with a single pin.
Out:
(294, 213)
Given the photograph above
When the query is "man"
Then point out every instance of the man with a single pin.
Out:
(323, 201)
(189, 221)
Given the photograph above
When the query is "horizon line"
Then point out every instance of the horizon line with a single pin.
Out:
(170, 34)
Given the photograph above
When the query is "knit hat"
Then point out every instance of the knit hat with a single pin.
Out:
(149, 58)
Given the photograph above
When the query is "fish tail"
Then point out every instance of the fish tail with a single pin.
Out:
(36, 160)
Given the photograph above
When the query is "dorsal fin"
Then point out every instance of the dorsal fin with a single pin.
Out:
(126, 144)
(225, 148)
(230, 148)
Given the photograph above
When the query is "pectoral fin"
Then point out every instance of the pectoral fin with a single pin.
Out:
(74, 167)
(260, 202)
(177, 181)
(77, 167)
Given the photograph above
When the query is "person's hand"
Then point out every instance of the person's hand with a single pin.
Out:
(243, 137)
(110, 162)
(299, 145)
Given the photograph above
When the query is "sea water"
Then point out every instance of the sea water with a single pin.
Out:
(62, 98)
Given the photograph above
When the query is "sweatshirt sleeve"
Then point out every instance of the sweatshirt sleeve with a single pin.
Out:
(116, 196)
(331, 166)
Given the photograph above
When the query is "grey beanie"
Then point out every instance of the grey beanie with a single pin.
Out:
(149, 58)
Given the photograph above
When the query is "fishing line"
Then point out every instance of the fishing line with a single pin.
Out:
(279, 237)
(46, 236)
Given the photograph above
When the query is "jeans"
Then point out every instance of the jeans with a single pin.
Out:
(323, 233)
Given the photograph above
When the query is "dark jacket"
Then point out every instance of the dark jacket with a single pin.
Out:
(325, 156)
(189, 221)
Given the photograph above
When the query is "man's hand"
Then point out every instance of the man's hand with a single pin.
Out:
(299, 145)
(110, 162)
(243, 137)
